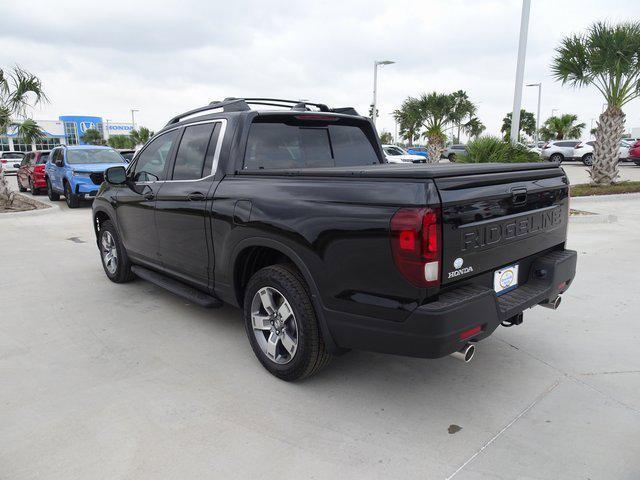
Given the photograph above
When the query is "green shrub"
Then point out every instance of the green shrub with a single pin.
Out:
(489, 149)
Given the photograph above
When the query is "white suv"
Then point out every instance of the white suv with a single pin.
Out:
(396, 154)
(584, 151)
(559, 150)
(9, 160)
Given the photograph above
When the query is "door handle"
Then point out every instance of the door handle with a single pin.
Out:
(149, 196)
(196, 197)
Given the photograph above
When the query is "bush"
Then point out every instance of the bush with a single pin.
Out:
(490, 149)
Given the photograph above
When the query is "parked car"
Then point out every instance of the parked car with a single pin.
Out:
(422, 151)
(634, 153)
(126, 154)
(454, 150)
(397, 154)
(584, 151)
(77, 171)
(30, 175)
(10, 161)
(559, 150)
(302, 223)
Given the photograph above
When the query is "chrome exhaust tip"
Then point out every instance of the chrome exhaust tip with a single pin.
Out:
(553, 304)
(466, 354)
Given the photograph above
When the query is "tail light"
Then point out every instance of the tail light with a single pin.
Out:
(3, 161)
(545, 146)
(415, 244)
(637, 144)
(580, 145)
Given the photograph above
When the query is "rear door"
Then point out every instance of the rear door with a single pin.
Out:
(495, 219)
(181, 205)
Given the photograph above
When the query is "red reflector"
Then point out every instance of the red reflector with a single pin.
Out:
(407, 240)
(470, 333)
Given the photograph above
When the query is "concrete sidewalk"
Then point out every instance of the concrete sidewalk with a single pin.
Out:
(107, 381)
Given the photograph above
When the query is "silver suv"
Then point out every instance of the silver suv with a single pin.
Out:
(452, 151)
(559, 150)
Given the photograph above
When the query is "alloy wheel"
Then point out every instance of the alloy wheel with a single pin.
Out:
(109, 252)
(274, 325)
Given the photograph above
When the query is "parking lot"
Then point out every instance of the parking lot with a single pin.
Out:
(99, 380)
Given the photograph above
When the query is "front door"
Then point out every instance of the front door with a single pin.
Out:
(183, 231)
(136, 201)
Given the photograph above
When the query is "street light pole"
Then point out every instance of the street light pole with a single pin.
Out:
(539, 85)
(374, 105)
(133, 118)
(522, 51)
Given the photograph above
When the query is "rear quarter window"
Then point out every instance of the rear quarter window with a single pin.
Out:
(275, 144)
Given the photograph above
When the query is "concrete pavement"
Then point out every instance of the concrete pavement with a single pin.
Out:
(107, 381)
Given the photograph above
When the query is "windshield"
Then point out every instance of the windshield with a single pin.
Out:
(394, 151)
(91, 155)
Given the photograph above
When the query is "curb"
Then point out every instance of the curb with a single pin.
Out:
(46, 208)
(596, 218)
(618, 197)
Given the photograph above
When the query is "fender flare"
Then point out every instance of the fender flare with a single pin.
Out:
(242, 245)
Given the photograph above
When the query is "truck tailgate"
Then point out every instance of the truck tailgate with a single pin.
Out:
(491, 220)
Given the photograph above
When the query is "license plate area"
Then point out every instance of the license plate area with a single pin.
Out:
(505, 279)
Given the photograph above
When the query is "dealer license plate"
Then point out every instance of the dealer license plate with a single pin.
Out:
(505, 279)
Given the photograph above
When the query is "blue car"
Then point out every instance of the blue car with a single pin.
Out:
(418, 151)
(77, 171)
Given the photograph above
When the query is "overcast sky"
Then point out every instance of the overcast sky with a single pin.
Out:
(104, 58)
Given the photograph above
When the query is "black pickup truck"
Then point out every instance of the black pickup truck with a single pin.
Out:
(292, 213)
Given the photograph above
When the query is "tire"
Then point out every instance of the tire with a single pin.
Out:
(588, 159)
(34, 191)
(556, 157)
(70, 198)
(637, 162)
(299, 329)
(53, 196)
(452, 157)
(20, 187)
(117, 267)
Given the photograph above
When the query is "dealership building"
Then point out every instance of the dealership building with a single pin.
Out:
(67, 130)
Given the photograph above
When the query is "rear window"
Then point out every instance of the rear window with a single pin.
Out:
(306, 145)
(13, 155)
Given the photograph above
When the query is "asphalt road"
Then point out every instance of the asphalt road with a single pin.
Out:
(106, 381)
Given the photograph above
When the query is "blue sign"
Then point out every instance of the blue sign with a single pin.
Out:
(82, 124)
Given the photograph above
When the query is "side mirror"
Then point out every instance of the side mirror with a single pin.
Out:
(59, 163)
(115, 175)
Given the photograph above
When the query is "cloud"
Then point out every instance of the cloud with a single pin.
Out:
(167, 57)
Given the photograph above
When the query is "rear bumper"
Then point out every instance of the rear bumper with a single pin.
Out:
(434, 329)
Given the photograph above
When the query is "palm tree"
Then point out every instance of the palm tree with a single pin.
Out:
(474, 127)
(527, 124)
(19, 89)
(29, 131)
(141, 136)
(92, 136)
(462, 108)
(559, 128)
(606, 57)
(435, 113)
(409, 120)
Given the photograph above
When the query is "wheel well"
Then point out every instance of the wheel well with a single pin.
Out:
(100, 218)
(249, 261)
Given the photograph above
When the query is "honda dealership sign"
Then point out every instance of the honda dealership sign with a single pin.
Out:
(77, 125)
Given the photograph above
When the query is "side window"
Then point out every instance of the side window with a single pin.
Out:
(152, 161)
(190, 158)
(57, 155)
(26, 160)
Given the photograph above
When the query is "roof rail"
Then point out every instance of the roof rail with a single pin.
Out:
(232, 104)
(228, 105)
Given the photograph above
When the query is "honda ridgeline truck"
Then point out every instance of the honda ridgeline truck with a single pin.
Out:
(293, 214)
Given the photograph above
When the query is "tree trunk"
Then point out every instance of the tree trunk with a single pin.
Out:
(610, 127)
(6, 195)
(435, 147)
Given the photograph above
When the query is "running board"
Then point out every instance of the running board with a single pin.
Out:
(174, 286)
